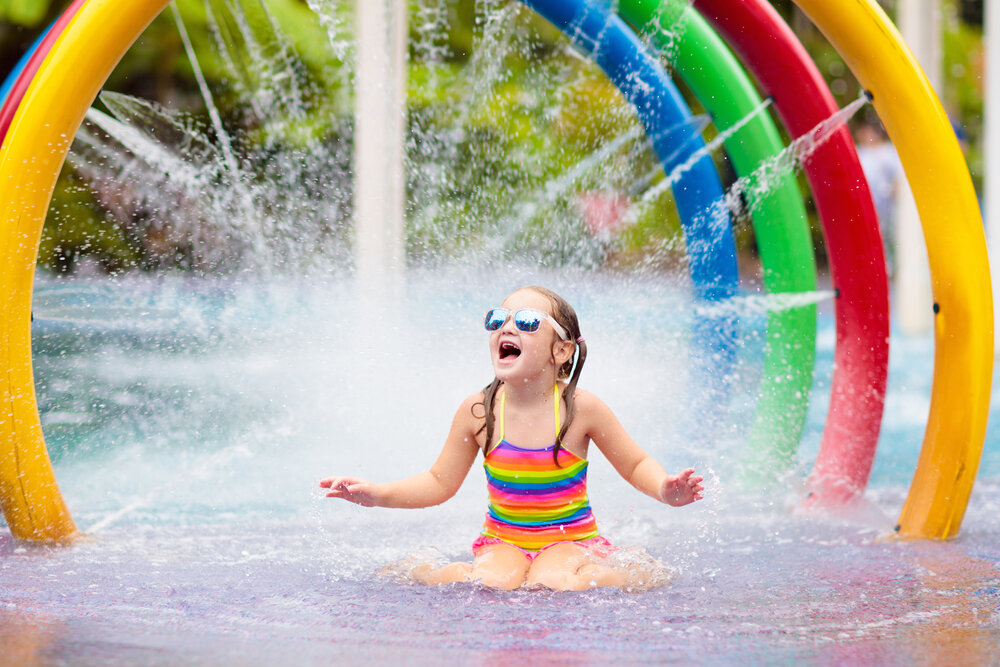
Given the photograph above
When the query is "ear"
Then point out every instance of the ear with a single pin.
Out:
(562, 351)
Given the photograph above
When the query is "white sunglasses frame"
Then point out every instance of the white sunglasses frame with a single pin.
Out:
(563, 335)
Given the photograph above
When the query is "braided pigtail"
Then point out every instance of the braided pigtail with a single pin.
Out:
(570, 394)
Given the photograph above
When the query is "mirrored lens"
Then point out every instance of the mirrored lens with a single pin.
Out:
(495, 318)
(528, 320)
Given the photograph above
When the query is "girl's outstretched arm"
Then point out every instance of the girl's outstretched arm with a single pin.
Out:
(637, 467)
(431, 487)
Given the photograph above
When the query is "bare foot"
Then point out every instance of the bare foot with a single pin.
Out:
(640, 571)
(405, 571)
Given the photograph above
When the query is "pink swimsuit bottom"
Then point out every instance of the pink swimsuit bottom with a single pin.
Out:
(599, 546)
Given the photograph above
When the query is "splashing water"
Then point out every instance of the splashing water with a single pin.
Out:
(749, 305)
(753, 188)
(708, 149)
(741, 198)
(273, 199)
(260, 192)
(213, 111)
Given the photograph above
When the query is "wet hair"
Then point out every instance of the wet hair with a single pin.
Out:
(564, 314)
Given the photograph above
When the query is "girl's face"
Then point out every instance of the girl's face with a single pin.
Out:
(519, 355)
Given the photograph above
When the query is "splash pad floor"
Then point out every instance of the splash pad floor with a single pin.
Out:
(785, 589)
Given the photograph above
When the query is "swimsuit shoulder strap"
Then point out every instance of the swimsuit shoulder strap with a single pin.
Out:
(503, 407)
(555, 396)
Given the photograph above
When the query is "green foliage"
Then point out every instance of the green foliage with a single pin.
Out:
(30, 13)
(76, 228)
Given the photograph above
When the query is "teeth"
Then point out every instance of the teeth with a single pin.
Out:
(508, 349)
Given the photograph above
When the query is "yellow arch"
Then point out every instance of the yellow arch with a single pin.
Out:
(956, 248)
(83, 58)
(30, 160)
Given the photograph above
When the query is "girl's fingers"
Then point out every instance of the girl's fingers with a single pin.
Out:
(339, 487)
(337, 482)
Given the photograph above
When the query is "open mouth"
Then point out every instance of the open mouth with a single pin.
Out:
(508, 350)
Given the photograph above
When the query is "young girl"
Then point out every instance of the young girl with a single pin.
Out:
(535, 431)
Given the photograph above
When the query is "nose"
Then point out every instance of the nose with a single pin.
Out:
(508, 325)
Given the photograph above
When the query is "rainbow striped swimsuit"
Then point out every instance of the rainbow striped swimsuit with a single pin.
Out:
(533, 502)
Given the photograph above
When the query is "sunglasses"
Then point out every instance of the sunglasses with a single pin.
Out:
(525, 319)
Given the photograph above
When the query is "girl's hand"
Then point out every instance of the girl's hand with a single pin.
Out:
(681, 489)
(352, 489)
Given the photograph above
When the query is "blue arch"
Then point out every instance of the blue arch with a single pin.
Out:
(662, 110)
(711, 247)
(11, 79)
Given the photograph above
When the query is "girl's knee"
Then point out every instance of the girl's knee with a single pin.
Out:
(570, 567)
(500, 566)
(577, 579)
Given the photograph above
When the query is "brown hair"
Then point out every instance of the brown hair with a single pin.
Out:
(564, 314)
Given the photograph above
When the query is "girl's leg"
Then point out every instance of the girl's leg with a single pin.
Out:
(571, 567)
(497, 565)
(500, 566)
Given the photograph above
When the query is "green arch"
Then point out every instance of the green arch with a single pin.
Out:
(780, 224)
